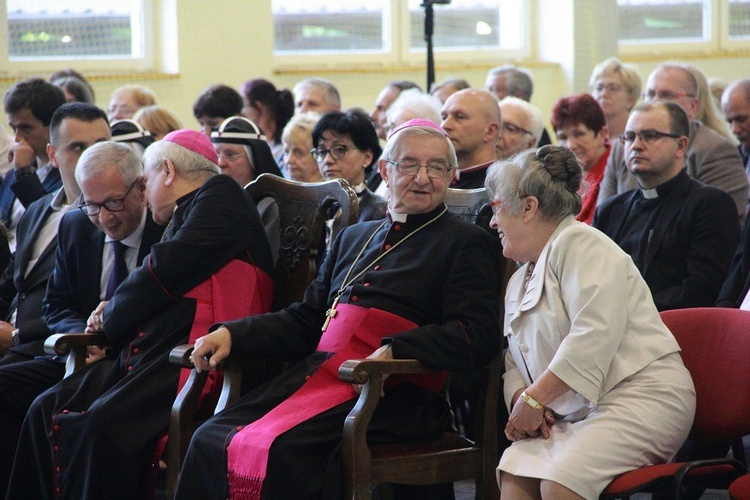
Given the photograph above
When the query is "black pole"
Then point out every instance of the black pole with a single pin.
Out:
(429, 28)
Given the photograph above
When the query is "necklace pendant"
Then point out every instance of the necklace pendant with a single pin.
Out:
(330, 313)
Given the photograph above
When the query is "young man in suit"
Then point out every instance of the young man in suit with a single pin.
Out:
(29, 106)
(680, 233)
(74, 127)
(88, 268)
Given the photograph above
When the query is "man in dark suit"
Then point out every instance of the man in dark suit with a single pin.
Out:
(113, 212)
(680, 233)
(74, 127)
(29, 106)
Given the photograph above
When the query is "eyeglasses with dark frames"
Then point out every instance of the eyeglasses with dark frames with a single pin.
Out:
(336, 152)
(646, 136)
(113, 205)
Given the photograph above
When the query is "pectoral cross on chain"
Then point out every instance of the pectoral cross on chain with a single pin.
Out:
(331, 313)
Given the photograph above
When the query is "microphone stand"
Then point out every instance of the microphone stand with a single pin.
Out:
(429, 28)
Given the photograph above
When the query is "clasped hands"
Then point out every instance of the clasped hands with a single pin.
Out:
(526, 422)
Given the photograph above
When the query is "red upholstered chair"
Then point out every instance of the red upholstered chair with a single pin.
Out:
(740, 488)
(715, 345)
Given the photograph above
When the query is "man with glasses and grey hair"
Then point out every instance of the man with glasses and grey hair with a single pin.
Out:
(522, 127)
(680, 233)
(98, 246)
(710, 158)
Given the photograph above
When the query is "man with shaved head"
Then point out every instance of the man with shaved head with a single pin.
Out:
(472, 119)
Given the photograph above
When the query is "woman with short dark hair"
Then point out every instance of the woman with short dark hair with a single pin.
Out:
(346, 147)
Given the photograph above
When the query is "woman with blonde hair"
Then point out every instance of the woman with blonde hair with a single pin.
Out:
(708, 112)
(299, 162)
(158, 120)
(616, 86)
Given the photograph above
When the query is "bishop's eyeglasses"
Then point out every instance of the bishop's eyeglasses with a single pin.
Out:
(435, 170)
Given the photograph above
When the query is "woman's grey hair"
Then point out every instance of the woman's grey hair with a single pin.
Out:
(392, 149)
(101, 156)
(190, 164)
(552, 174)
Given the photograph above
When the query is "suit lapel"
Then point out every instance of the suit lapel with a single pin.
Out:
(52, 181)
(25, 248)
(92, 255)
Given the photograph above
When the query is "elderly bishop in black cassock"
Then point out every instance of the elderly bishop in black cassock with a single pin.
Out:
(418, 284)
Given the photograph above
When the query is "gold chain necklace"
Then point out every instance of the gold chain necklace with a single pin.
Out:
(331, 313)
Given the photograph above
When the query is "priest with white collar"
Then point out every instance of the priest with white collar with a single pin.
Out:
(680, 233)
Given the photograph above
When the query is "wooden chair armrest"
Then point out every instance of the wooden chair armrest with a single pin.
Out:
(74, 345)
(359, 371)
(61, 344)
(182, 355)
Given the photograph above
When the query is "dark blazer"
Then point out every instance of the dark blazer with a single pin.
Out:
(73, 290)
(691, 245)
(27, 190)
(737, 283)
(25, 293)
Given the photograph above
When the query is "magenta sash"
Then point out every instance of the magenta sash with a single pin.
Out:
(356, 333)
(236, 290)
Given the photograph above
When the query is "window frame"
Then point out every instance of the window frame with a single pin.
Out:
(398, 51)
(87, 64)
(717, 41)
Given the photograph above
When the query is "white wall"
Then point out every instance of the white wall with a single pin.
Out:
(232, 41)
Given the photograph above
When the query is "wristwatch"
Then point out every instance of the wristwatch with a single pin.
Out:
(15, 338)
(22, 172)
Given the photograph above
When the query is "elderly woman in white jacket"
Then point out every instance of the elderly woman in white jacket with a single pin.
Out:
(594, 380)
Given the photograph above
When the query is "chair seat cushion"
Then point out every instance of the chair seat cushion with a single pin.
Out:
(740, 489)
(657, 477)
